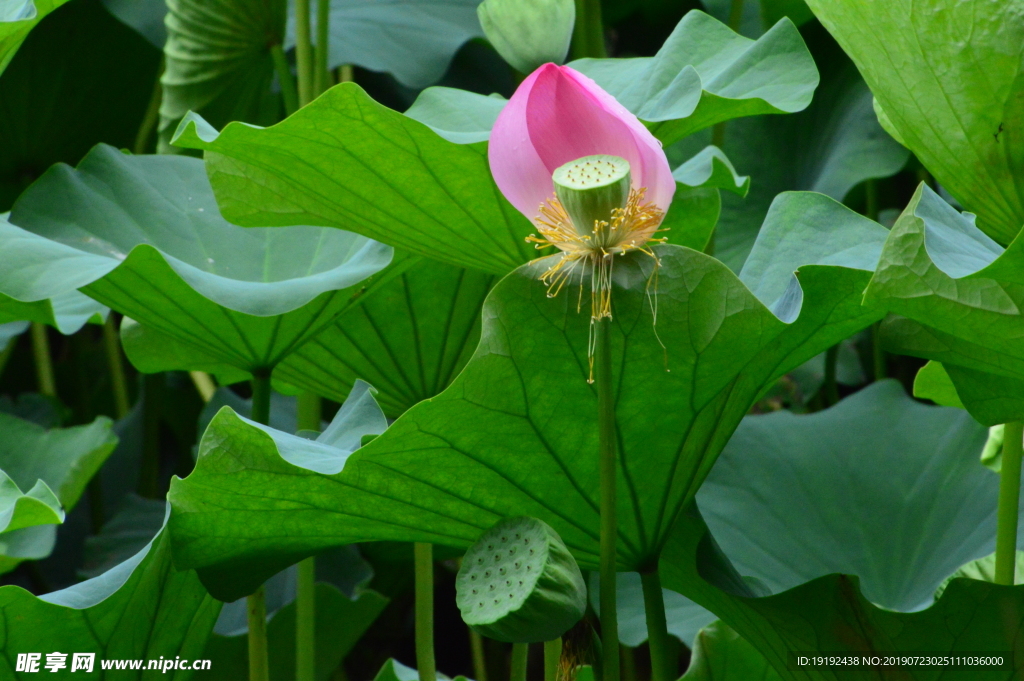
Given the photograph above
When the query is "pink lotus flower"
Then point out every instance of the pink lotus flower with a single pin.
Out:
(557, 117)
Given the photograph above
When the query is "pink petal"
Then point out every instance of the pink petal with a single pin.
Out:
(517, 169)
(558, 115)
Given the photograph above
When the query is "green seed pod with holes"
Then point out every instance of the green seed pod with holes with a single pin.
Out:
(590, 189)
(519, 584)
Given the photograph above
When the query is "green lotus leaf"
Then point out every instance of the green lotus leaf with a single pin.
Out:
(409, 339)
(399, 180)
(830, 614)
(933, 383)
(960, 290)
(218, 61)
(720, 654)
(78, 56)
(876, 492)
(457, 115)
(17, 19)
(990, 398)
(54, 467)
(141, 609)
(961, 111)
(831, 147)
(38, 506)
(711, 168)
(791, 499)
(67, 312)
(414, 40)
(142, 234)
(501, 424)
(705, 73)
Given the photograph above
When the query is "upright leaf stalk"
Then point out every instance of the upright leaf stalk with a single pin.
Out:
(309, 413)
(423, 560)
(256, 604)
(609, 519)
(1009, 502)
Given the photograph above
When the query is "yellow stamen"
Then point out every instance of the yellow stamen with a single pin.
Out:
(630, 228)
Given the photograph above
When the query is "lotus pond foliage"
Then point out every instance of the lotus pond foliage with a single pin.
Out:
(405, 340)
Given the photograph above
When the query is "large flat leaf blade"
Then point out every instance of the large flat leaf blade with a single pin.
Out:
(347, 161)
(948, 77)
(962, 289)
(409, 339)
(141, 609)
(705, 73)
(143, 234)
(830, 147)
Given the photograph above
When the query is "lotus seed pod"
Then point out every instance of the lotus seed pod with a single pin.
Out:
(528, 33)
(589, 189)
(519, 584)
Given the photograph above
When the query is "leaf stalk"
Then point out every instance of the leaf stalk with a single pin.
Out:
(609, 518)
(1009, 502)
(423, 559)
(657, 626)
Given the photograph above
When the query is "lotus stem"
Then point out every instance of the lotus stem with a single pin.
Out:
(588, 34)
(520, 655)
(609, 519)
(44, 363)
(322, 75)
(1009, 502)
(657, 626)
(552, 656)
(303, 52)
(476, 646)
(112, 343)
(305, 621)
(309, 413)
(259, 662)
(423, 558)
(284, 77)
(261, 397)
